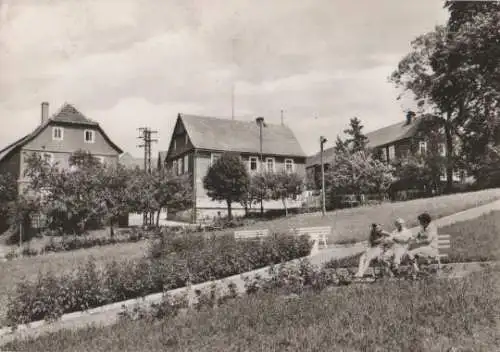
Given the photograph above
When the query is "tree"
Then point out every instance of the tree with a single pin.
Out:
(340, 146)
(356, 141)
(257, 190)
(453, 73)
(227, 180)
(284, 185)
(358, 173)
(171, 192)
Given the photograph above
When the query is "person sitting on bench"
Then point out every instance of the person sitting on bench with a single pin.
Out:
(400, 239)
(428, 237)
(376, 248)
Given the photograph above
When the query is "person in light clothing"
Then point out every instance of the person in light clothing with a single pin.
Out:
(376, 248)
(399, 241)
(428, 237)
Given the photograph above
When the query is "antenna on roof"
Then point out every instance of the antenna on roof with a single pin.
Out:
(282, 122)
(232, 83)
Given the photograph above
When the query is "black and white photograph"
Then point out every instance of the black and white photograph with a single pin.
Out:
(249, 175)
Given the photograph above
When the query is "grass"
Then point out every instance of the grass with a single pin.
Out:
(348, 225)
(351, 225)
(431, 315)
(472, 240)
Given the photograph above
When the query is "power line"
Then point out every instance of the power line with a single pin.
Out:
(145, 135)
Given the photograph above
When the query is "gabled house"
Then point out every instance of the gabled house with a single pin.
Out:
(391, 143)
(197, 142)
(131, 162)
(56, 138)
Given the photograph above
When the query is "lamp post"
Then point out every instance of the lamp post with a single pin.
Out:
(322, 141)
(260, 122)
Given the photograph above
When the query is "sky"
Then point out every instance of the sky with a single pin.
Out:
(133, 63)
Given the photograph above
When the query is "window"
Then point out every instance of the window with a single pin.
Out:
(442, 176)
(100, 159)
(214, 157)
(253, 163)
(289, 165)
(48, 157)
(392, 152)
(174, 166)
(175, 144)
(270, 164)
(422, 148)
(383, 154)
(89, 136)
(57, 133)
(186, 139)
(179, 166)
(186, 163)
(442, 149)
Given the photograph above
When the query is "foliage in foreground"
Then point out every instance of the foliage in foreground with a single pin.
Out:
(173, 262)
(430, 315)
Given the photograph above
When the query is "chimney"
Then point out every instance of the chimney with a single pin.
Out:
(45, 111)
(410, 115)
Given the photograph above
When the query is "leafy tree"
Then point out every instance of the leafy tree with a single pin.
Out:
(257, 190)
(8, 193)
(284, 185)
(171, 192)
(358, 173)
(340, 145)
(453, 73)
(84, 159)
(356, 141)
(227, 180)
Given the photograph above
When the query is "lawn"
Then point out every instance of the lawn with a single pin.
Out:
(352, 224)
(430, 315)
(348, 224)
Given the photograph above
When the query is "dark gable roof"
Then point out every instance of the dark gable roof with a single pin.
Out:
(328, 157)
(378, 138)
(219, 134)
(393, 133)
(68, 114)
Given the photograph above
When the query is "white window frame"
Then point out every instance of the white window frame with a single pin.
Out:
(422, 145)
(256, 159)
(92, 132)
(391, 150)
(273, 163)
(175, 144)
(289, 162)
(442, 149)
(186, 139)
(61, 130)
(185, 163)
(51, 162)
(180, 166)
(214, 157)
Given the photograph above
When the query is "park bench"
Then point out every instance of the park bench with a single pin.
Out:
(444, 242)
(317, 235)
(251, 234)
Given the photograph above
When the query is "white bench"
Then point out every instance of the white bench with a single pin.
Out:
(444, 242)
(251, 234)
(317, 235)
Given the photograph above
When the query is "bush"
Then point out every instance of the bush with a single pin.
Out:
(173, 261)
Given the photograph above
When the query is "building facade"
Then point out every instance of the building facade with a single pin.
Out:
(197, 142)
(56, 138)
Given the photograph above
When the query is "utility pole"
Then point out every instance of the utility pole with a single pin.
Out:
(260, 122)
(145, 136)
(322, 141)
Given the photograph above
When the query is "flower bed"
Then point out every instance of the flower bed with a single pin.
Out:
(172, 262)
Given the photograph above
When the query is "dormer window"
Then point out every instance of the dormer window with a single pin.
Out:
(89, 136)
(57, 133)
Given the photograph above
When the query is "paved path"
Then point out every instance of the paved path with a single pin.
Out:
(107, 315)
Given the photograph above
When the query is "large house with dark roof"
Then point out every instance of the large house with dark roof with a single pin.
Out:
(56, 138)
(197, 141)
(392, 142)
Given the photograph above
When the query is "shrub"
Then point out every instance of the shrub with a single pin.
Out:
(173, 261)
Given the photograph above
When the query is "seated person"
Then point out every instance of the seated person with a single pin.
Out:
(376, 248)
(428, 237)
(398, 243)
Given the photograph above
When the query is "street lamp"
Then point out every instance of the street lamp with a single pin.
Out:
(260, 123)
(322, 141)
